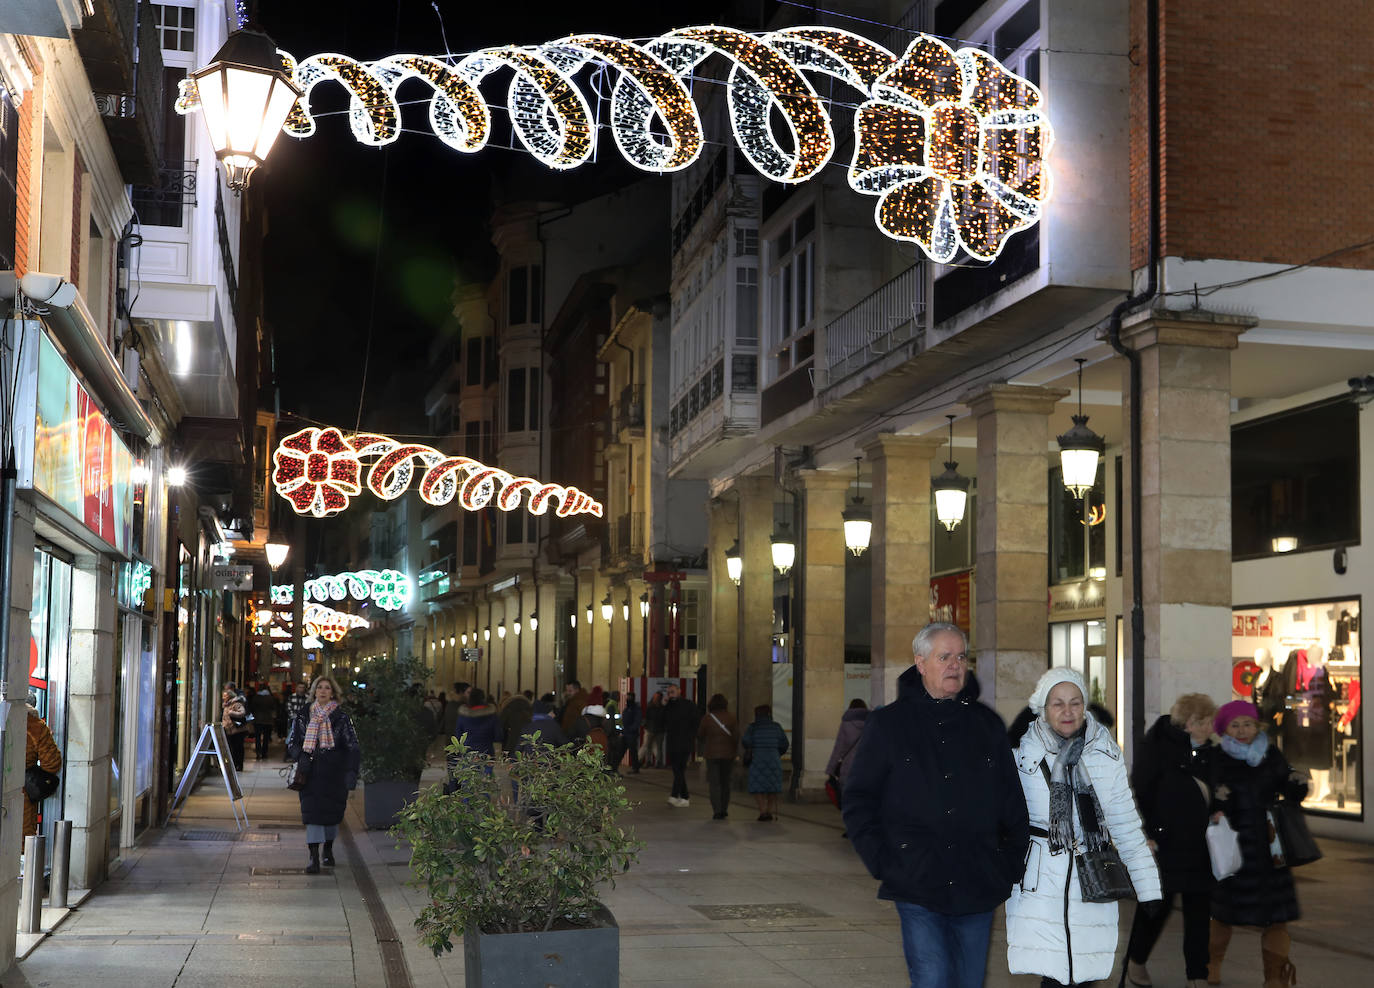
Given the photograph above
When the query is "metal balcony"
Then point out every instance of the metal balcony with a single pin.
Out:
(164, 203)
(126, 81)
(893, 315)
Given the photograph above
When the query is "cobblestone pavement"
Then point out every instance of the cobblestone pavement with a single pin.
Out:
(711, 902)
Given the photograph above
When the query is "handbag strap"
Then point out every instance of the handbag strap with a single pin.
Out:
(718, 723)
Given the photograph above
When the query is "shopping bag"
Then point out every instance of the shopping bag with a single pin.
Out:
(1223, 847)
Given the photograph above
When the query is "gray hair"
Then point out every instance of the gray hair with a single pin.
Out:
(921, 644)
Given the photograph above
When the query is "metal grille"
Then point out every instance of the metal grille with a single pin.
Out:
(229, 836)
(761, 910)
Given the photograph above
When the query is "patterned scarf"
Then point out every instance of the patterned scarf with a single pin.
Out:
(318, 733)
(1070, 785)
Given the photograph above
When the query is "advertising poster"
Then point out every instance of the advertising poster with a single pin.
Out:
(57, 443)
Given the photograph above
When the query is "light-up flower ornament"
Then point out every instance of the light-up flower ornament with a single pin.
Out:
(317, 471)
(954, 145)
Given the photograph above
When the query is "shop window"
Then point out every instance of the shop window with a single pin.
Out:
(1082, 645)
(1294, 481)
(792, 294)
(522, 399)
(1078, 530)
(1299, 663)
(523, 299)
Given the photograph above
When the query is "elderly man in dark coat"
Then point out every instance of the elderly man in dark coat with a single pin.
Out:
(934, 807)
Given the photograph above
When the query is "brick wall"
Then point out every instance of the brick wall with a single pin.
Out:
(1266, 130)
(28, 124)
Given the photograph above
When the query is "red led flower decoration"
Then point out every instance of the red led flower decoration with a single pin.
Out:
(954, 145)
(317, 471)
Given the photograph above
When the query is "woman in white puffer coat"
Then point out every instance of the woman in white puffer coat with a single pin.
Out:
(1066, 761)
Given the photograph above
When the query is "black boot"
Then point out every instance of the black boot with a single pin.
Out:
(328, 858)
(313, 868)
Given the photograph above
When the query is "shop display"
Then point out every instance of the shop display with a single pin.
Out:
(1300, 665)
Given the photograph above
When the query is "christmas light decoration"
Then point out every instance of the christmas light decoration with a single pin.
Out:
(318, 471)
(389, 589)
(951, 142)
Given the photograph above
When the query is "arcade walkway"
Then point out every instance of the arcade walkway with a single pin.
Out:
(766, 905)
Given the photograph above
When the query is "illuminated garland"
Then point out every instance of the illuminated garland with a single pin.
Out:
(323, 622)
(319, 470)
(389, 589)
(951, 141)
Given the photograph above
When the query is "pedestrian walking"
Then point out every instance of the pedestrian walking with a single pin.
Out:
(478, 725)
(574, 699)
(234, 720)
(652, 751)
(1251, 776)
(514, 716)
(40, 751)
(679, 738)
(630, 719)
(1080, 803)
(264, 707)
(765, 743)
(852, 723)
(544, 724)
(298, 701)
(719, 734)
(1171, 777)
(933, 806)
(323, 735)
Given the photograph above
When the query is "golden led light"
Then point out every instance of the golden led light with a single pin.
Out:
(951, 142)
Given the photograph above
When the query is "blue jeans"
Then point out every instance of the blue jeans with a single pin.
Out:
(944, 951)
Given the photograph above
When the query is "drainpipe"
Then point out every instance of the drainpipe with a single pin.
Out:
(1133, 361)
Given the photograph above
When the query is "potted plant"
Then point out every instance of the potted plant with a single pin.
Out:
(386, 703)
(511, 859)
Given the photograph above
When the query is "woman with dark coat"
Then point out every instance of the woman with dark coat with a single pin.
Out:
(846, 740)
(1250, 778)
(766, 743)
(323, 734)
(1171, 780)
(720, 736)
(478, 720)
(234, 720)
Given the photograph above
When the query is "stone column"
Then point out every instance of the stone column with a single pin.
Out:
(12, 837)
(724, 668)
(756, 595)
(900, 545)
(546, 602)
(1185, 488)
(822, 561)
(90, 699)
(1012, 585)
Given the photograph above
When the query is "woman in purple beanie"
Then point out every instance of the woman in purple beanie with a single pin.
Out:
(1251, 775)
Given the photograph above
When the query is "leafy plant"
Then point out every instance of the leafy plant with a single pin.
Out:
(387, 707)
(515, 847)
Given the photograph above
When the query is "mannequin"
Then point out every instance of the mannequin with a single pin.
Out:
(1307, 727)
(1268, 692)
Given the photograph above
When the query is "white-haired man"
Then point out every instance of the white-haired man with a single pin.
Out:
(935, 809)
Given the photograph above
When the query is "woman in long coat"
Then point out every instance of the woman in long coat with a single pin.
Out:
(323, 735)
(765, 743)
(1172, 780)
(1250, 777)
(1071, 769)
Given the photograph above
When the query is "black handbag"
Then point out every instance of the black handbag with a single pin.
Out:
(1296, 840)
(39, 783)
(1102, 877)
(298, 773)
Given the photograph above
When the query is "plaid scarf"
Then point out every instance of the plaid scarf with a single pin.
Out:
(318, 733)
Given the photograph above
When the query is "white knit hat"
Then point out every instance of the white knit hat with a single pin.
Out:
(594, 710)
(1051, 679)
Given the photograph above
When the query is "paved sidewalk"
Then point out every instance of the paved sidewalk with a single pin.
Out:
(735, 901)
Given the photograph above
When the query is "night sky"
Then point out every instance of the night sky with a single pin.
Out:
(328, 197)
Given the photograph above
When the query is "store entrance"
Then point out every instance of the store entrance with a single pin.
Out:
(1082, 646)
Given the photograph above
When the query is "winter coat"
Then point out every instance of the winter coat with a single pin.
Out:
(720, 742)
(766, 743)
(39, 749)
(1050, 929)
(517, 714)
(295, 703)
(573, 710)
(630, 720)
(333, 771)
(546, 726)
(653, 717)
(481, 726)
(846, 741)
(932, 803)
(1259, 894)
(1171, 780)
(680, 719)
(234, 715)
(264, 706)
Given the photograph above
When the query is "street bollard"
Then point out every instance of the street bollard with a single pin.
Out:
(61, 864)
(31, 892)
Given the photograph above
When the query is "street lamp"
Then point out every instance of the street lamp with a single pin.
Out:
(1080, 448)
(465, 639)
(534, 620)
(950, 488)
(486, 633)
(858, 518)
(276, 553)
(176, 476)
(245, 96)
(501, 631)
(625, 608)
(644, 605)
(734, 564)
(516, 626)
(607, 608)
(590, 614)
(784, 548)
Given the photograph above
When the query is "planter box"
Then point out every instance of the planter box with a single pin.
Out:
(586, 957)
(383, 800)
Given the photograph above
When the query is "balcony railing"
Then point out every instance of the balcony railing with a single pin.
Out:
(891, 316)
(165, 202)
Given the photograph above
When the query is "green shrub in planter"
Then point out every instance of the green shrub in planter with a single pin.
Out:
(500, 861)
(387, 707)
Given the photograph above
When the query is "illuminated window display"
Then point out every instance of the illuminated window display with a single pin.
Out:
(1300, 664)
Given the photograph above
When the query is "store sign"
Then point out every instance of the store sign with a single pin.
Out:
(470, 655)
(231, 577)
(72, 454)
(950, 600)
(1072, 600)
